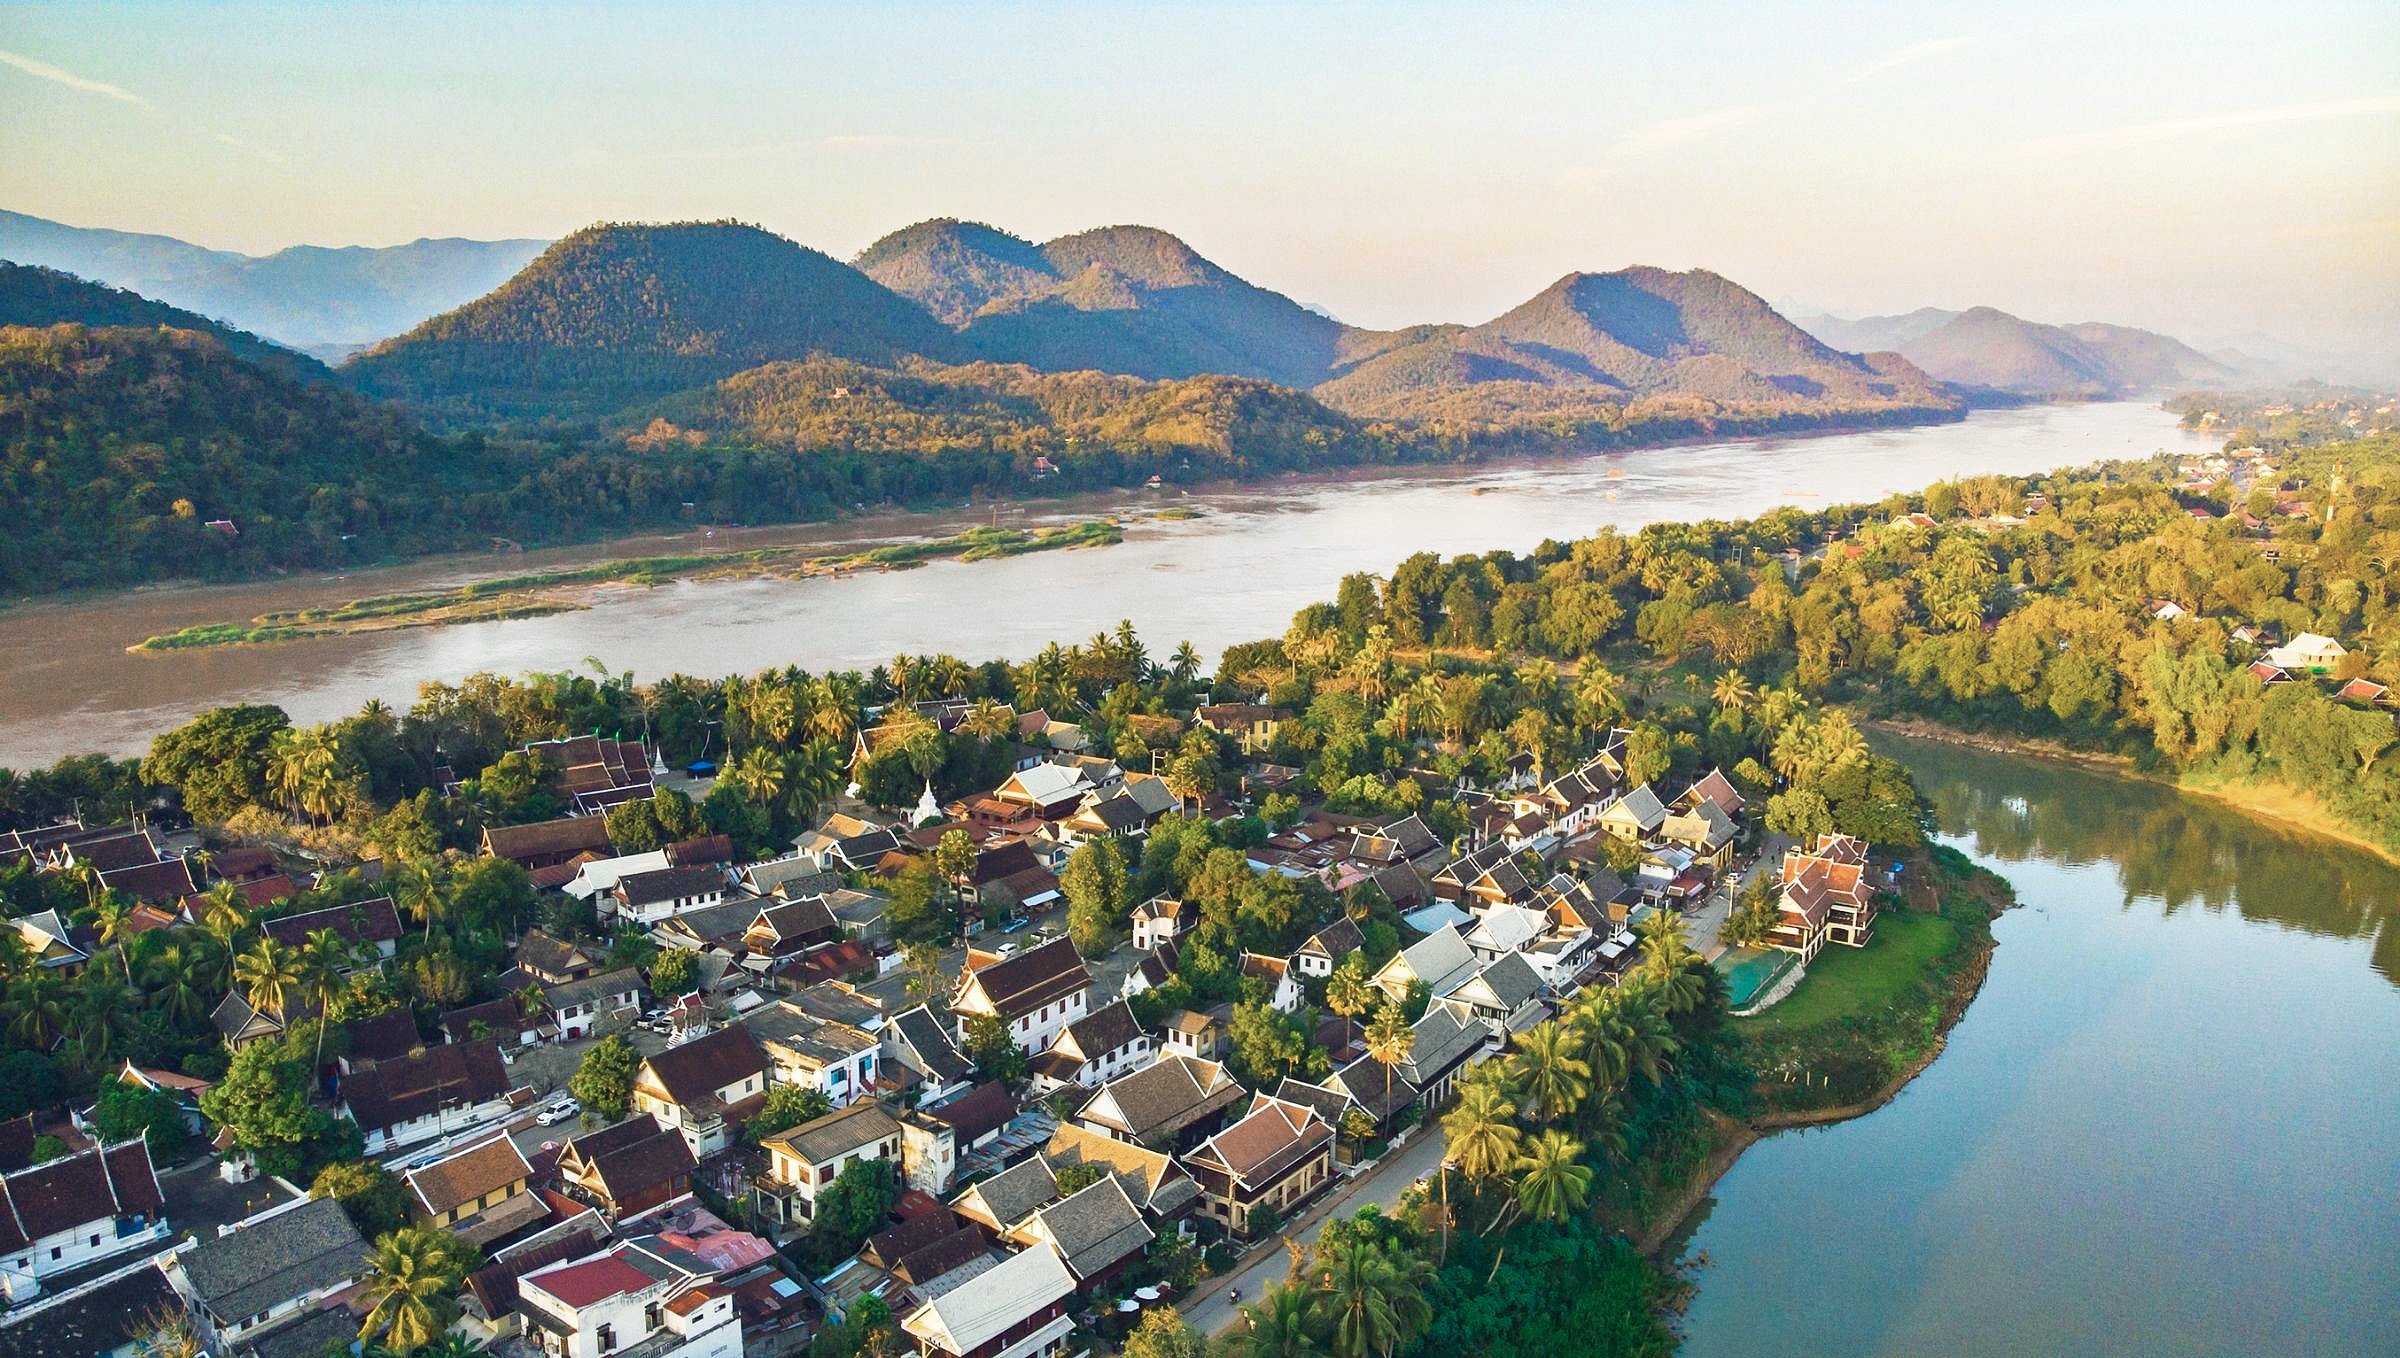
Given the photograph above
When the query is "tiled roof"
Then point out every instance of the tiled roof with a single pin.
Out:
(468, 1175)
(927, 1039)
(978, 1112)
(1093, 1228)
(701, 1067)
(1166, 1096)
(966, 1318)
(1151, 1177)
(374, 921)
(633, 1156)
(265, 1263)
(1106, 1029)
(1267, 1142)
(1021, 984)
(544, 838)
(77, 1190)
(590, 989)
(551, 955)
(590, 1281)
(1010, 1196)
(384, 1037)
(409, 1087)
(1336, 940)
(668, 884)
(168, 880)
(837, 1133)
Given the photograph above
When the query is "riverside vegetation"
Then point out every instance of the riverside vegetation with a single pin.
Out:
(1704, 641)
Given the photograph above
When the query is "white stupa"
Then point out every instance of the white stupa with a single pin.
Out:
(926, 810)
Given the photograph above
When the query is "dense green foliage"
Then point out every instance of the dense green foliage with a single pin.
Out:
(38, 298)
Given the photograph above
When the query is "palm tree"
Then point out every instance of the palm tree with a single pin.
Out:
(1348, 993)
(177, 982)
(758, 774)
(813, 776)
(110, 913)
(832, 710)
(1413, 706)
(1545, 1067)
(1603, 1037)
(1481, 1130)
(266, 974)
(1733, 691)
(223, 911)
(1185, 667)
(417, 889)
(988, 720)
(1551, 1179)
(1371, 1307)
(100, 1015)
(38, 1010)
(319, 966)
(1839, 741)
(407, 1277)
(1389, 1040)
(1599, 696)
(1281, 1324)
(305, 765)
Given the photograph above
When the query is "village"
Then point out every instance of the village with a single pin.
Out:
(805, 1110)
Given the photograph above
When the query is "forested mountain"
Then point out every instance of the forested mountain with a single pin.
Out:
(43, 297)
(118, 446)
(308, 296)
(619, 313)
(1991, 350)
(1601, 347)
(1123, 299)
(1231, 424)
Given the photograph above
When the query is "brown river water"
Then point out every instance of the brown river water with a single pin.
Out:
(1255, 556)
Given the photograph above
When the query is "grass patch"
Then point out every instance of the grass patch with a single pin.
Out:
(518, 596)
(1179, 512)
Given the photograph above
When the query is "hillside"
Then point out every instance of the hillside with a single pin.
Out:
(1990, 350)
(119, 446)
(1213, 425)
(1874, 334)
(32, 296)
(1605, 348)
(1122, 299)
(309, 297)
(619, 313)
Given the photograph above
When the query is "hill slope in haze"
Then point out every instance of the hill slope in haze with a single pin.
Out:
(309, 297)
(1604, 346)
(1122, 299)
(32, 296)
(1991, 350)
(619, 313)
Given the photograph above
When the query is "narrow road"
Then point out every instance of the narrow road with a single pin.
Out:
(1381, 1186)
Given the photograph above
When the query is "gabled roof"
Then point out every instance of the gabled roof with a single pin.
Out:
(1335, 941)
(1010, 1196)
(976, 1113)
(631, 1157)
(1021, 984)
(1162, 1098)
(364, 922)
(166, 881)
(464, 1177)
(1093, 1228)
(393, 1092)
(1717, 790)
(1328, 1101)
(1374, 1086)
(1441, 960)
(1442, 1041)
(668, 884)
(836, 1134)
(1507, 984)
(271, 1260)
(927, 1040)
(77, 1190)
(624, 980)
(385, 1037)
(1640, 807)
(547, 953)
(965, 1318)
(1151, 1178)
(1266, 1143)
(1104, 1030)
(698, 1069)
(569, 835)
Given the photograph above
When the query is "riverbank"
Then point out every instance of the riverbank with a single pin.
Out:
(1873, 1021)
(522, 596)
(2276, 803)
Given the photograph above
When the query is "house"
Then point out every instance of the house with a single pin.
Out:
(1046, 791)
(1281, 990)
(1199, 1033)
(792, 879)
(1096, 1230)
(272, 1266)
(65, 1213)
(581, 1008)
(1015, 874)
(2308, 653)
(1092, 1050)
(1503, 929)
(1252, 726)
(1016, 1309)
(106, 1318)
(1823, 897)
(712, 930)
(1034, 994)
(1439, 961)
(705, 1088)
(918, 1041)
(1375, 1089)
(2361, 691)
(1170, 1104)
(165, 882)
(414, 1098)
(552, 960)
(1275, 1158)
(481, 1194)
(790, 928)
(802, 1161)
(503, 1020)
(1504, 995)
(47, 938)
(595, 772)
(998, 1203)
(1442, 1046)
(643, 1296)
(1705, 831)
(645, 898)
(184, 1089)
(1151, 972)
(367, 926)
(1325, 949)
(1635, 816)
(802, 1049)
(547, 843)
(629, 1168)
(240, 1023)
(1161, 920)
(1165, 1193)
(377, 1038)
(976, 1118)
(847, 843)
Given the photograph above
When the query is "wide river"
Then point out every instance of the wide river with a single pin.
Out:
(1238, 572)
(2170, 1124)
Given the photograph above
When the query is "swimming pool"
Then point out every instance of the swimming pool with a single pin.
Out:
(1749, 971)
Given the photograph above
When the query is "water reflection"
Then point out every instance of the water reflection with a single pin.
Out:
(2171, 852)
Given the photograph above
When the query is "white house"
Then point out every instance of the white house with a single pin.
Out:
(1035, 993)
(1093, 1050)
(417, 1097)
(647, 898)
(802, 1049)
(1160, 920)
(579, 1007)
(68, 1212)
(1275, 975)
(622, 1298)
(259, 1271)
(803, 1161)
(704, 1088)
(2308, 653)
(1016, 1309)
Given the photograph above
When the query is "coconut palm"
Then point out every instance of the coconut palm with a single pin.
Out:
(813, 776)
(102, 1013)
(1733, 692)
(1599, 696)
(318, 966)
(1389, 1041)
(758, 774)
(1281, 1324)
(1838, 740)
(37, 1010)
(176, 978)
(1544, 1065)
(986, 719)
(1603, 1037)
(267, 974)
(1481, 1131)
(1551, 1178)
(1650, 1041)
(1185, 666)
(111, 914)
(305, 765)
(223, 911)
(408, 1276)
(1368, 1303)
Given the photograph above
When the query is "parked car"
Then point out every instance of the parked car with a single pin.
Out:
(653, 1015)
(1006, 950)
(558, 1112)
(1015, 924)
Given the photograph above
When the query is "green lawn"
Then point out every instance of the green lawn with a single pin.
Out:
(1856, 982)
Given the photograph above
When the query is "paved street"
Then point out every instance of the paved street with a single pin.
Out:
(1381, 1186)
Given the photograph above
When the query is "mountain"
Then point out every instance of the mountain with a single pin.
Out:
(33, 296)
(1991, 350)
(1592, 346)
(1122, 299)
(1874, 334)
(619, 313)
(120, 445)
(308, 297)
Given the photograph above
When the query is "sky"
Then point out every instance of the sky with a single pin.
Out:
(2210, 169)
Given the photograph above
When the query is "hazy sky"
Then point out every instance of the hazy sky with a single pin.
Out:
(2208, 168)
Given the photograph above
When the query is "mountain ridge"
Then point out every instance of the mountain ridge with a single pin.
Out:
(1989, 350)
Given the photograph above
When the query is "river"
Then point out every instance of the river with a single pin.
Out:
(2169, 1124)
(1238, 572)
